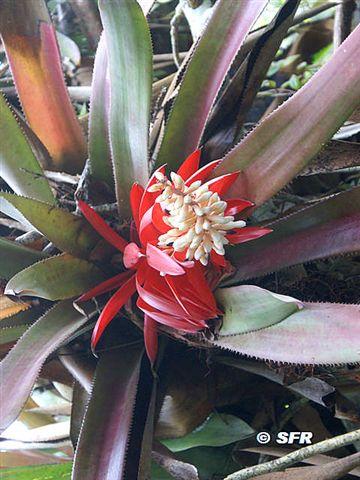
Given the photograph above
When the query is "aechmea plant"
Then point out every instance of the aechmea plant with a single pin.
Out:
(182, 239)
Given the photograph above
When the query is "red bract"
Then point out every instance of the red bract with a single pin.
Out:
(180, 228)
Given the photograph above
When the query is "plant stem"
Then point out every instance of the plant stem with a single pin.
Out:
(297, 456)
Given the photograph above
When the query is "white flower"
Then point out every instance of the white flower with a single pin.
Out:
(196, 216)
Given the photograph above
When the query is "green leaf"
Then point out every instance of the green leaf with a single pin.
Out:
(15, 257)
(11, 334)
(217, 431)
(129, 51)
(68, 48)
(55, 278)
(99, 147)
(65, 230)
(61, 471)
(21, 366)
(307, 336)
(328, 228)
(19, 167)
(248, 308)
(225, 32)
(285, 141)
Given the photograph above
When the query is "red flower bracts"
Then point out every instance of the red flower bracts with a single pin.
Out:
(182, 225)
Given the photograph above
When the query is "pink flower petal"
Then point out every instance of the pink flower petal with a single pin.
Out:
(162, 262)
(132, 255)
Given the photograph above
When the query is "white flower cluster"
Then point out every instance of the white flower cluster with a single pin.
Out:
(196, 215)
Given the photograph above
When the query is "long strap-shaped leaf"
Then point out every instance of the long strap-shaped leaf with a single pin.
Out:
(15, 257)
(109, 421)
(99, 147)
(31, 47)
(277, 149)
(65, 230)
(19, 167)
(326, 229)
(228, 26)
(55, 278)
(130, 69)
(304, 337)
(20, 368)
(229, 113)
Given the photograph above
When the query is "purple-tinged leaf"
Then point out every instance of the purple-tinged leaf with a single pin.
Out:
(230, 111)
(328, 228)
(20, 168)
(55, 278)
(304, 337)
(228, 26)
(99, 147)
(21, 366)
(109, 426)
(312, 388)
(286, 140)
(128, 39)
(31, 47)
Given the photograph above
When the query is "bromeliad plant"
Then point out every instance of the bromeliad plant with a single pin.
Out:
(181, 226)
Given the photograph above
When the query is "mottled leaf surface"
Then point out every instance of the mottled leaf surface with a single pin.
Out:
(65, 230)
(55, 278)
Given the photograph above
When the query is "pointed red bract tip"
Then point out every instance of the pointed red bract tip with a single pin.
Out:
(203, 173)
(116, 302)
(190, 165)
(237, 205)
(136, 194)
(151, 338)
(107, 286)
(103, 229)
(246, 234)
(221, 185)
